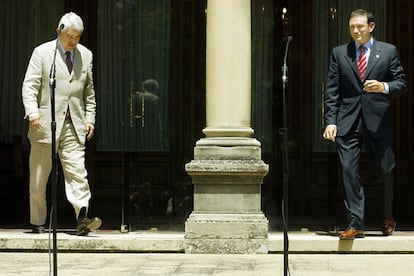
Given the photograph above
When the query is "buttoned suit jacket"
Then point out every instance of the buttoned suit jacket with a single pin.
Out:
(73, 89)
(346, 101)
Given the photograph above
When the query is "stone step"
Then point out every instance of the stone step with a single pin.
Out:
(401, 242)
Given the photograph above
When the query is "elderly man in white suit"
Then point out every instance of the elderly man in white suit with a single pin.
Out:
(75, 110)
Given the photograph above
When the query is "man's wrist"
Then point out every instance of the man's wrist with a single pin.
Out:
(33, 115)
(386, 88)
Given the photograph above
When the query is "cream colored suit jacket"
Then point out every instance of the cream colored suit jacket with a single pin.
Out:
(74, 90)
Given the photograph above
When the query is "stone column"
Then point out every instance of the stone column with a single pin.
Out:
(227, 170)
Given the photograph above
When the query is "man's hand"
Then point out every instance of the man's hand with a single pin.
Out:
(330, 133)
(90, 129)
(373, 86)
(35, 121)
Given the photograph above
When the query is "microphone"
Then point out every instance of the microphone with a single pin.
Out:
(289, 38)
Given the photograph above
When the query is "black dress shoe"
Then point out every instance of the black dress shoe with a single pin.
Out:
(38, 229)
(388, 226)
(86, 225)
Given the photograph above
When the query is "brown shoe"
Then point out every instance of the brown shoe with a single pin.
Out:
(388, 226)
(351, 233)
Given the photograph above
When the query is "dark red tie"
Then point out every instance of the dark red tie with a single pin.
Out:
(362, 62)
(69, 62)
(70, 66)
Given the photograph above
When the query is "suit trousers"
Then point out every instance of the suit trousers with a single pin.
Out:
(380, 153)
(72, 158)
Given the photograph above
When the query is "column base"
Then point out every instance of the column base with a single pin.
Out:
(226, 234)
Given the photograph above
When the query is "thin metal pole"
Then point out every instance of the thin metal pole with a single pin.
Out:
(285, 160)
(54, 176)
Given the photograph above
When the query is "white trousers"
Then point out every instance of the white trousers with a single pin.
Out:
(72, 158)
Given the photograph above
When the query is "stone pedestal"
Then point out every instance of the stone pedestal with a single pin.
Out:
(227, 170)
(226, 234)
(227, 174)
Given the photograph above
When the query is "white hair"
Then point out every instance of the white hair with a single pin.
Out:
(71, 20)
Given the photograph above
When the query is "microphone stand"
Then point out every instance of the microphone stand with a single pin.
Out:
(54, 176)
(285, 164)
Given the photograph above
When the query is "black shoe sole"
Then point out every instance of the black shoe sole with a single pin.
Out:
(93, 225)
(38, 230)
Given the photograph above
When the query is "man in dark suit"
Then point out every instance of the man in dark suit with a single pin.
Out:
(359, 86)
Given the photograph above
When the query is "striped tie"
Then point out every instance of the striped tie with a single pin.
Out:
(362, 62)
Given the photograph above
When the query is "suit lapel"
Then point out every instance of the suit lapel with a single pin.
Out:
(374, 57)
(61, 62)
(350, 57)
(77, 65)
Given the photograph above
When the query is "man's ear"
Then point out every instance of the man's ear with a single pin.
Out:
(371, 26)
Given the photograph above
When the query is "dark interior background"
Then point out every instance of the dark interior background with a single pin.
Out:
(315, 188)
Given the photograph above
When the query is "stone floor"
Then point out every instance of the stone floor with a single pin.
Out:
(109, 252)
(123, 264)
(166, 241)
